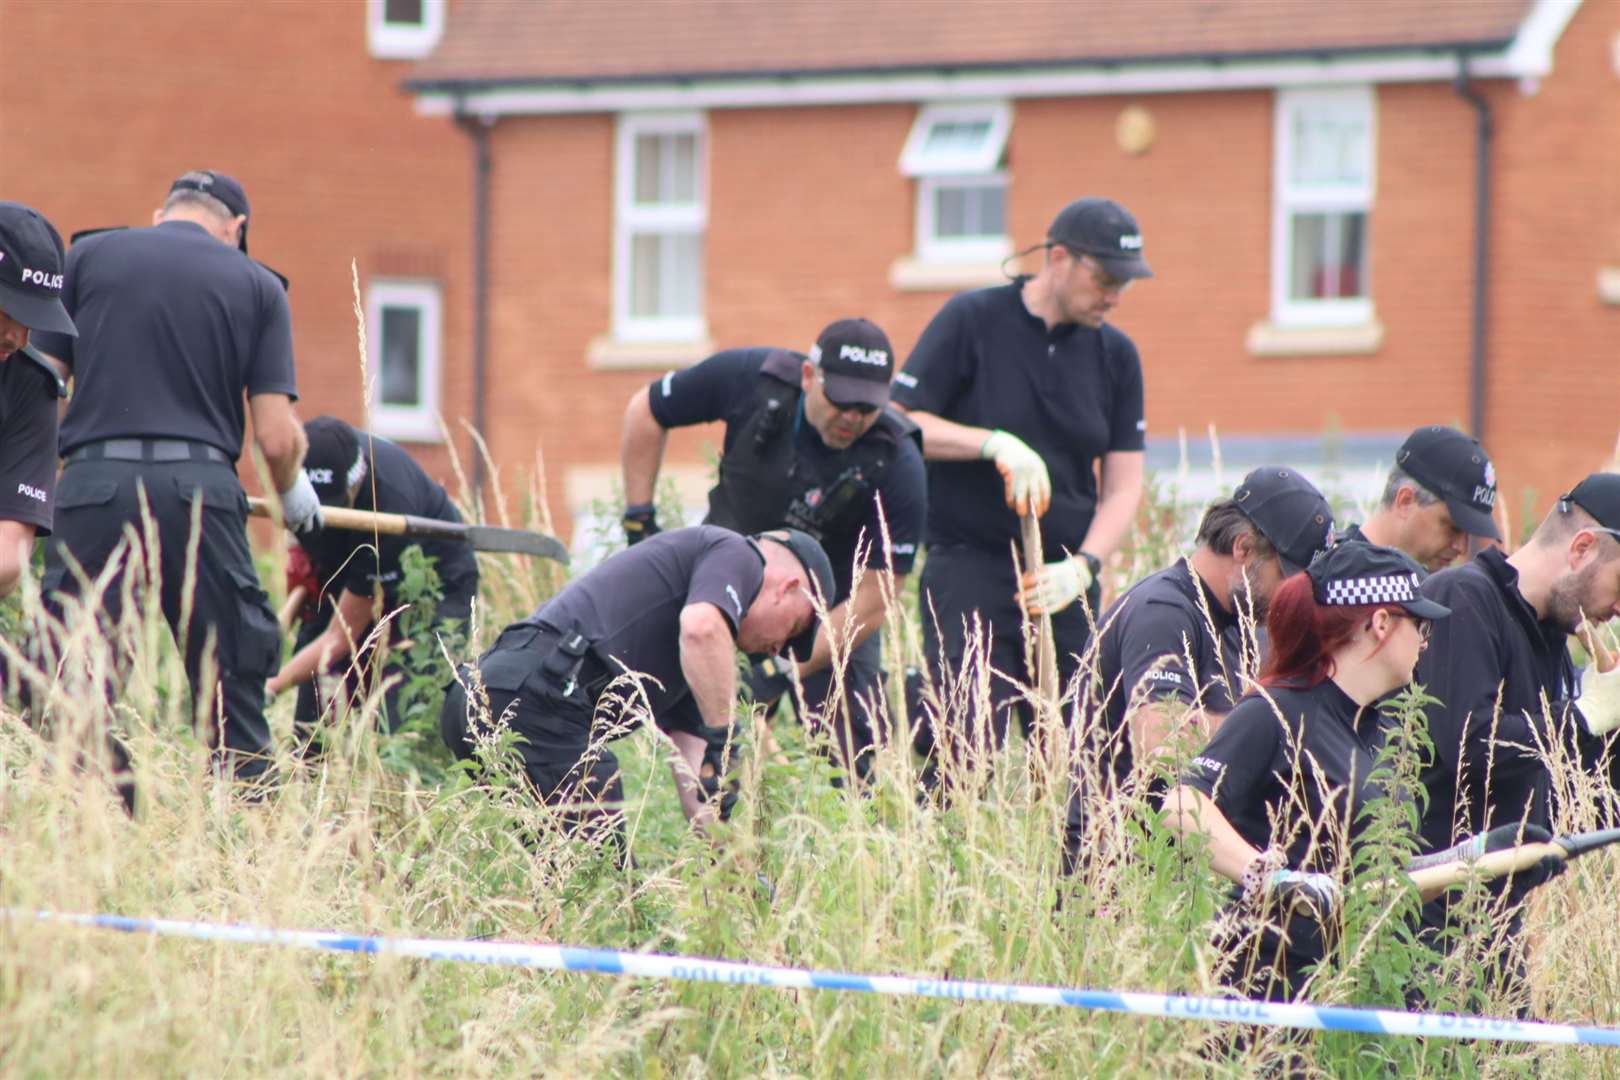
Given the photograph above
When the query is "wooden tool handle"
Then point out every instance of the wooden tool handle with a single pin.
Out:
(1494, 865)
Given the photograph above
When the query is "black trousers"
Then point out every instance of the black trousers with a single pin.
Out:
(554, 729)
(450, 617)
(963, 588)
(96, 500)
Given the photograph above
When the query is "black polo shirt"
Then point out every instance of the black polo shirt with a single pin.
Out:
(1073, 394)
(174, 326)
(360, 561)
(1351, 532)
(726, 387)
(1148, 635)
(629, 607)
(1301, 759)
(28, 397)
(1491, 665)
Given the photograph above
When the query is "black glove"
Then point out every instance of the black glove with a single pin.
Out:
(768, 680)
(640, 521)
(1544, 871)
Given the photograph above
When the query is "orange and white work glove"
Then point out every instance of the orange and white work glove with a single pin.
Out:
(1055, 586)
(1600, 684)
(1029, 487)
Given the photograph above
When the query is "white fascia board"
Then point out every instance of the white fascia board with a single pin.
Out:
(1529, 56)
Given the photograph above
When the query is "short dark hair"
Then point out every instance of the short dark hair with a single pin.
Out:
(1224, 523)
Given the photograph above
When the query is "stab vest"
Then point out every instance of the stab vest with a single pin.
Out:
(763, 484)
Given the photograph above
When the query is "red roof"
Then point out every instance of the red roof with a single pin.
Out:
(575, 41)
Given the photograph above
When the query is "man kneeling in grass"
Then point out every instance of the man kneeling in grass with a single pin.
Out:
(662, 620)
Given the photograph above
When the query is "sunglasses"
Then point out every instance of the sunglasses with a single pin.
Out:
(864, 408)
(1425, 627)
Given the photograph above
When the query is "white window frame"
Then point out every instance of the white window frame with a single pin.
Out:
(1342, 198)
(979, 167)
(413, 423)
(390, 41)
(630, 218)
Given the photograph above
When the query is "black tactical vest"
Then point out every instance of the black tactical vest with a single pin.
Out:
(763, 485)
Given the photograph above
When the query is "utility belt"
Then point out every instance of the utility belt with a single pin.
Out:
(569, 667)
(151, 451)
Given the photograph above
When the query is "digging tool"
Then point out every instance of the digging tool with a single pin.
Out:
(1046, 672)
(479, 537)
(1512, 860)
(289, 610)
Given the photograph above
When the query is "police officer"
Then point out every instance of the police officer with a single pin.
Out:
(1029, 381)
(176, 324)
(643, 632)
(1172, 652)
(1440, 492)
(352, 468)
(1505, 682)
(1280, 790)
(810, 443)
(30, 300)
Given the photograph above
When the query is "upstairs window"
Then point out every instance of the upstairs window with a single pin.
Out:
(403, 29)
(1321, 228)
(661, 214)
(404, 322)
(957, 154)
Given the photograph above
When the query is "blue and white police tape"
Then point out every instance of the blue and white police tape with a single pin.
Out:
(659, 966)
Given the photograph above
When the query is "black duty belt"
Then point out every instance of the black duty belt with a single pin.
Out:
(572, 665)
(148, 450)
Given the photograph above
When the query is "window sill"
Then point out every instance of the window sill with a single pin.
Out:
(402, 429)
(1608, 284)
(911, 274)
(606, 354)
(1269, 339)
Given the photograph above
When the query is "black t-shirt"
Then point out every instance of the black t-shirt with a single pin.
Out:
(1073, 394)
(1148, 636)
(28, 396)
(345, 559)
(1491, 665)
(1292, 768)
(1350, 532)
(726, 387)
(629, 607)
(174, 326)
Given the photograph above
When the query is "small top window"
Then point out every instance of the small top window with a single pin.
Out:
(956, 140)
(403, 29)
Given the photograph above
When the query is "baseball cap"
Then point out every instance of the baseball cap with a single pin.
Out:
(224, 188)
(31, 259)
(856, 361)
(1598, 495)
(1355, 573)
(1106, 231)
(1289, 512)
(1455, 467)
(335, 460)
(813, 557)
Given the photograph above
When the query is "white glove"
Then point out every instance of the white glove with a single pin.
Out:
(1600, 699)
(1055, 586)
(301, 507)
(1296, 888)
(1029, 487)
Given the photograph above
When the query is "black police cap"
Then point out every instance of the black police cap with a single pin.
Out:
(227, 189)
(1455, 467)
(1355, 573)
(813, 557)
(1106, 231)
(335, 460)
(1289, 512)
(1598, 495)
(31, 259)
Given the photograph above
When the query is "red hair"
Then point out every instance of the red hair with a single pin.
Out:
(1305, 635)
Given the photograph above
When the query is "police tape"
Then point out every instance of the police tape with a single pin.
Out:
(697, 969)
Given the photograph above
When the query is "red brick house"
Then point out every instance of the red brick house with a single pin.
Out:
(1363, 216)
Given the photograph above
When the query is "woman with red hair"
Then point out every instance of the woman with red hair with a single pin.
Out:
(1279, 790)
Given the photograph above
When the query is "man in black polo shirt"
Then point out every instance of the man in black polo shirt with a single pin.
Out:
(30, 300)
(1172, 652)
(351, 468)
(1505, 681)
(631, 640)
(1440, 492)
(1028, 381)
(808, 443)
(176, 324)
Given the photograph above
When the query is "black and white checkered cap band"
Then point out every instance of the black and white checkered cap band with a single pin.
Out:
(1384, 589)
